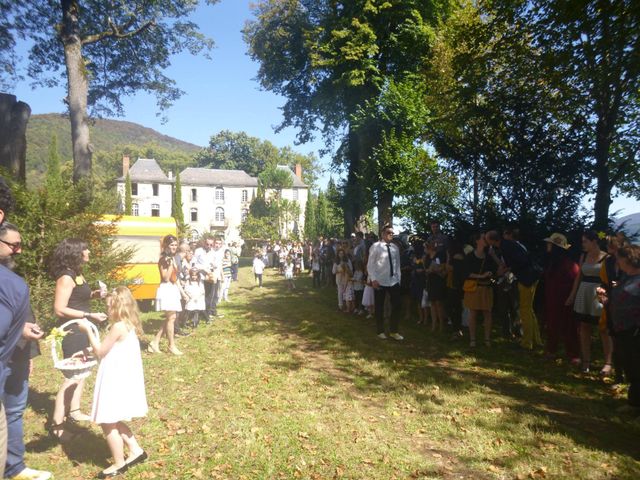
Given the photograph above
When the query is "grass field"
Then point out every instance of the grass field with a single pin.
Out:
(286, 387)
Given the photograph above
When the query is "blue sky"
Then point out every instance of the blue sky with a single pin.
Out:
(221, 93)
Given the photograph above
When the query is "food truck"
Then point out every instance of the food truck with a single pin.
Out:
(143, 236)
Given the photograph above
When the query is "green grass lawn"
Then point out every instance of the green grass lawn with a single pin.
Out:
(286, 387)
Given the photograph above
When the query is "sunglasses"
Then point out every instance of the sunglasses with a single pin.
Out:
(15, 246)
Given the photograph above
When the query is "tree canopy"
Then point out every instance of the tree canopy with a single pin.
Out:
(240, 151)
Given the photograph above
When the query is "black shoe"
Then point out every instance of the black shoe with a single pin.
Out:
(115, 473)
(182, 333)
(139, 459)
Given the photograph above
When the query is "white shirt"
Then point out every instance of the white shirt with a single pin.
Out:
(209, 260)
(378, 266)
(258, 266)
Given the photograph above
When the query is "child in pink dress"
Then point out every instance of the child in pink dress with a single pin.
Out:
(119, 393)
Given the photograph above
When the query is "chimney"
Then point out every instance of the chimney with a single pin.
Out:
(125, 165)
(299, 171)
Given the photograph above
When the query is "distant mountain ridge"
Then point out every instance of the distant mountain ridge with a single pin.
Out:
(106, 135)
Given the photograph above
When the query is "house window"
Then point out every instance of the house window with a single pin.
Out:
(134, 210)
(155, 189)
(194, 194)
(155, 210)
(245, 195)
(219, 214)
(295, 194)
(134, 189)
(194, 214)
(219, 194)
(245, 214)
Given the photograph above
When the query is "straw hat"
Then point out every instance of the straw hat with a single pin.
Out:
(559, 240)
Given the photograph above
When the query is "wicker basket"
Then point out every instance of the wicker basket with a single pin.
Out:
(67, 366)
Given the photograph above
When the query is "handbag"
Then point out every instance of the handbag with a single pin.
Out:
(471, 284)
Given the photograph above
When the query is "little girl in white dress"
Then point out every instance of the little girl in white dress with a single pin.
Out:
(119, 393)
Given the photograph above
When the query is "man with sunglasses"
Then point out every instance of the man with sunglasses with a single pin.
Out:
(15, 310)
(383, 268)
(16, 388)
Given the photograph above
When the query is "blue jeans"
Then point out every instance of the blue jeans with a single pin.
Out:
(16, 391)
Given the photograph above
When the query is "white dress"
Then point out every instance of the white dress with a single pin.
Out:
(168, 298)
(368, 299)
(119, 393)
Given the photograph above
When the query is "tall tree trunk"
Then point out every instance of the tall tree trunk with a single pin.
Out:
(78, 89)
(603, 179)
(352, 207)
(385, 203)
(14, 117)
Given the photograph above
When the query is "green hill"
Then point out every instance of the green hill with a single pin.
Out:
(110, 138)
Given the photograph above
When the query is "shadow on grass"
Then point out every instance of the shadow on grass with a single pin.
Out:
(566, 405)
(83, 444)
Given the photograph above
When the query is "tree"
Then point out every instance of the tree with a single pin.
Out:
(108, 50)
(497, 122)
(128, 200)
(588, 53)
(310, 220)
(275, 179)
(238, 151)
(329, 58)
(176, 206)
(55, 211)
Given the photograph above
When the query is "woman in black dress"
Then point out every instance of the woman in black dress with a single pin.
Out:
(72, 300)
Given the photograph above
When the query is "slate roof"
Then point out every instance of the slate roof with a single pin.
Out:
(147, 170)
(213, 177)
(296, 181)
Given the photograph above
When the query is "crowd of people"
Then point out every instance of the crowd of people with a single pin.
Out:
(490, 280)
(433, 280)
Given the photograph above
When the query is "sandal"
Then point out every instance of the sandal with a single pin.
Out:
(152, 348)
(77, 416)
(606, 370)
(60, 432)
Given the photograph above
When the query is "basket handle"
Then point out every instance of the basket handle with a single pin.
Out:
(71, 322)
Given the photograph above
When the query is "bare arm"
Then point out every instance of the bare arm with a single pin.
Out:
(64, 287)
(574, 289)
(100, 349)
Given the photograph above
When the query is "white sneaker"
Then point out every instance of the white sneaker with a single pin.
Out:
(31, 474)
(382, 336)
(396, 336)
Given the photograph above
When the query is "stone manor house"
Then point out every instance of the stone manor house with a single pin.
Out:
(213, 201)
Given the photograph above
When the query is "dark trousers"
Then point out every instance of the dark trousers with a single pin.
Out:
(211, 294)
(316, 278)
(15, 401)
(358, 294)
(258, 277)
(454, 308)
(506, 309)
(629, 344)
(380, 294)
(194, 317)
(234, 272)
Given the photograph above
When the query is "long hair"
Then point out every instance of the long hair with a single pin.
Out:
(122, 307)
(67, 256)
(166, 241)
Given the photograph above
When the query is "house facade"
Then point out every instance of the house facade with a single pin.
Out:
(213, 201)
(151, 189)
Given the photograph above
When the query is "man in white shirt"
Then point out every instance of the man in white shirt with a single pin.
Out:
(208, 260)
(383, 268)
